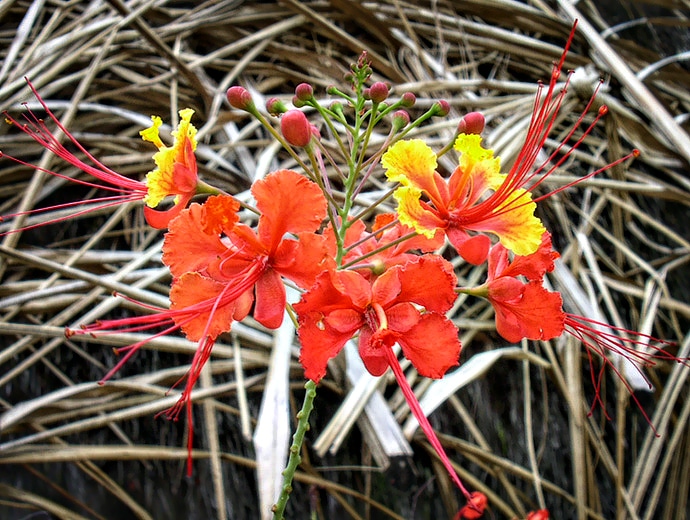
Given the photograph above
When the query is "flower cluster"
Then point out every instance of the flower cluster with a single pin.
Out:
(379, 278)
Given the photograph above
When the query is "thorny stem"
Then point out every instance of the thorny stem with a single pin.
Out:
(295, 458)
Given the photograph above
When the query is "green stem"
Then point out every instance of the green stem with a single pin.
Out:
(295, 458)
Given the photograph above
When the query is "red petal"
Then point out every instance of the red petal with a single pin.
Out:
(402, 317)
(346, 321)
(270, 300)
(304, 259)
(386, 288)
(506, 289)
(372, 349)
(199, 295)
(537, 264)
(428, 281)
(327, 294)
(320, 342)
(432, 345)
(187, 247)
(184, 170)
(160, 219)
(289, 203)
(538, 315)
(474, 249)
(220, 214)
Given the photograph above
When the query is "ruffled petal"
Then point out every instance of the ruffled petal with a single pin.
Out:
(477, 159)
(220, 214)
(477, 172)
(208, 315)
(413, 164)
(416, 214)
(176, 172)
(289, 203)
(432, 345)
(428, 281)
(536, 265)
(537, 315)
(187, 246)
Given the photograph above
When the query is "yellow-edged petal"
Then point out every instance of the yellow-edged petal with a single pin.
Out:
(185, 130)
(160, 182)
(411, 213)
(472, 154)
(411, 163)
(151, 134)
(518, 229)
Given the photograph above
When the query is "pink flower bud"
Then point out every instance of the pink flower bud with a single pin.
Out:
(400, 119)
(304, 92)
(240, 98)
(472, 123)
(296, 128)
(275, 106)
(441, 108)
(408, 99)
(378, 92)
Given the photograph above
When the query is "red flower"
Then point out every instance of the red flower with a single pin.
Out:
(218, 265)
(477, 198)
(385, 311)
(205, 246)
(474, 508)
(341, 303)
(523, 309)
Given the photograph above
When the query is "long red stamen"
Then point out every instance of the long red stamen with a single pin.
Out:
(596, 338)
(100, 203)
(423, 421)
(37, 130)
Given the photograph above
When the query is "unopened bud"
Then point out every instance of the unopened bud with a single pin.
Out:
(304, 92)
(337, 108)
(240, 98)
(296, 128)
(378, 92)
(400, 119)
(408, 99)
(472, 123)
(275, 106)
(441, 108)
